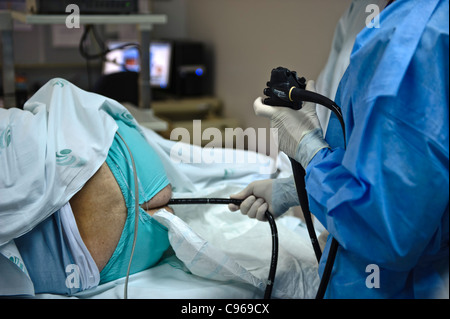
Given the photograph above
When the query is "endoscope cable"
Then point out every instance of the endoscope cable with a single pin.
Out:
(299, 176)
(237, 202)
(286, 89)
(136, 218)
(194, 201)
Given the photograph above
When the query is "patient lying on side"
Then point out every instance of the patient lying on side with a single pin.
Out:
(104, 214)
(100, 203)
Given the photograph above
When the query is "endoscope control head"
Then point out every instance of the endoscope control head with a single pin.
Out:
(279, 88)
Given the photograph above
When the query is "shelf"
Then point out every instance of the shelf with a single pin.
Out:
(90, 18)
(147, 118)
(190, 106)
(52, 65)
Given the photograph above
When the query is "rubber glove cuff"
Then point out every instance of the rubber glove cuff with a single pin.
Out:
(284, 195)
(311, 143)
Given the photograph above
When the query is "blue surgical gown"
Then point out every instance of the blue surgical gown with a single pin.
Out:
(386, 197)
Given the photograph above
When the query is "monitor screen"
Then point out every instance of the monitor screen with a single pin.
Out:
(127, 59)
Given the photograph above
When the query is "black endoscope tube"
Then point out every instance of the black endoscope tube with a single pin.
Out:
(299, 175)
(274, 259)
(237, 202)
(193, 201)
(309, 96)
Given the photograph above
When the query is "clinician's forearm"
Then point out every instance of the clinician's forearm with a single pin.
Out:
(382, 209)
(284, 195)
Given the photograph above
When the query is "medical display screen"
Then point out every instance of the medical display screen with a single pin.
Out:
(160, 63)
(127, 59)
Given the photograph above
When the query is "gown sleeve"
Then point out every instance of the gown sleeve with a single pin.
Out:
(385, 196)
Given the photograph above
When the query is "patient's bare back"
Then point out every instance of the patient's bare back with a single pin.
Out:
(100, 213)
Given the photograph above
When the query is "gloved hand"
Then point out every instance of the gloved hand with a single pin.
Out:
(257, 198)
(299, 132)
(275, 195)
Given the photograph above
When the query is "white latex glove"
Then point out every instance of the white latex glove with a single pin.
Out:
(293, 126)
(257, 198)
(277, 195)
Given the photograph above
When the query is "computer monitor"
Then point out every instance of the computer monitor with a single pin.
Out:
(127, 59)
(160, 64)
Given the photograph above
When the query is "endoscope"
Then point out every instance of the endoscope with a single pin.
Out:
(287, 89)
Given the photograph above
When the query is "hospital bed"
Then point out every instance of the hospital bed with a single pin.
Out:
(215, 253)
(236, 244)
